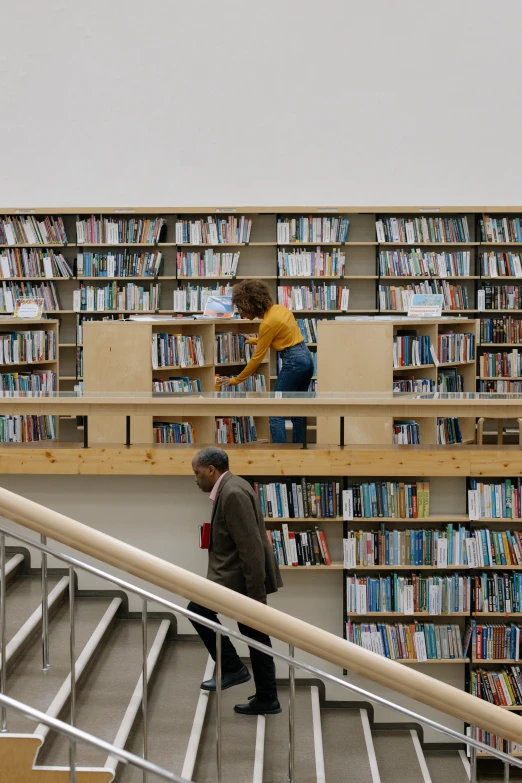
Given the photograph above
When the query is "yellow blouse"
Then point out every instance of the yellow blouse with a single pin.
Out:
(278, 330)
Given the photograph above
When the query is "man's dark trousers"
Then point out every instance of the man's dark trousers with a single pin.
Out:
(263, 667)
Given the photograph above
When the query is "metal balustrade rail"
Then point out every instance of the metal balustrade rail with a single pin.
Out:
(76, 735)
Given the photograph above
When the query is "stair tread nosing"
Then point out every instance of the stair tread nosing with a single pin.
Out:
(27, 682)
(104, 693)
(173, 696)
(23, 596)
(396, 756)
(345, 745)
(446, 765)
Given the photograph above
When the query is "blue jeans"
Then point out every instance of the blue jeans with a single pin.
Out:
(295, 376)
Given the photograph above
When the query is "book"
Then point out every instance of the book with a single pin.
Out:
(27, 346)
(406, 432)
(177, 350)
(312, 229)
(214, 231)
(25, 262)
(500, 229)
(120, 264)
(174, 432)
(499, 296)
(416, 263)
(115, 231)
(448, 431)
(193, 299)
(411, 547)
(299, 548)
(308, 263)
(235, 429)
(11, 291)
(501, 363)
(110, 297)
(28, 229)
(398, 297)
(397, 641)
(27, 429)
(207, 264)
(415, 592)
(313, 297)
(422, 229)
(288, 499)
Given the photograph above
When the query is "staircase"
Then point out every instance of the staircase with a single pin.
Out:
(335, 741)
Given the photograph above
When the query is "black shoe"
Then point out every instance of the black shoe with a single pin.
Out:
(257, 707)
(228, 680)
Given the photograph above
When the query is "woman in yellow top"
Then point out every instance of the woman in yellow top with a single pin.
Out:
(278, 330)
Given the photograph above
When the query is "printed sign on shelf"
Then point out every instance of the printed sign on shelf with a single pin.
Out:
(425, 306)
(29, 307)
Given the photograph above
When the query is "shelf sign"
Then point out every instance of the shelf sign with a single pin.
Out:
(425, 306)
(29, 307)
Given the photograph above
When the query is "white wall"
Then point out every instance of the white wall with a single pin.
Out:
(169, 102)
(161, 514)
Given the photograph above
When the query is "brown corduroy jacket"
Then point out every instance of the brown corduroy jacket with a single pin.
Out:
(240, 556)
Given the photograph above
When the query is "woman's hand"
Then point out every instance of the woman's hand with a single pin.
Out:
(252, 340)
(224, 380)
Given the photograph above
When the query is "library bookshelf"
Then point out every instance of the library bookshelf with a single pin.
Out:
(343, 364)
(108, 346)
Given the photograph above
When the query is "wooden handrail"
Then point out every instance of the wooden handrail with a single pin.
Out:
(302, 635)
(334, 405)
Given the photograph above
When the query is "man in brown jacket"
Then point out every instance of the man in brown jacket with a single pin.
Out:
(239, 557)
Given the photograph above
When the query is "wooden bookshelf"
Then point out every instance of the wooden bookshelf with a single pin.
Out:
(107, 347)
(343, 364)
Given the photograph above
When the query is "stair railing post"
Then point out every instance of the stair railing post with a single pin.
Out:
(3, 634)
(506, 772)
(219, 703)
(72, 643)
(144, 677)
(45, 610)
(291, 717)
(473, 757)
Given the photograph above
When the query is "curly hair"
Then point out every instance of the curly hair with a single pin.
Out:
(252, 296)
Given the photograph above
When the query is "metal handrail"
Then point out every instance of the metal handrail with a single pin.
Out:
(288, 659)
(78, 735)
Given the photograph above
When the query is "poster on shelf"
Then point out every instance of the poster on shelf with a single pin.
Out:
(29, 307)
(425, 306)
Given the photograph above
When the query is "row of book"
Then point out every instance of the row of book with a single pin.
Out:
(505, 364)
(119, 231)
(109, 297)
(191, 299)
(448, 431)
(414, 642)
(495, 548)
(398, 297)
(416, 263)
(79, 362)
(312, 229)
(503, 688)
(125, 264)
(495, 641)
(500, 229)
(422, 385)
(314, 297)
(214, 231)
(495, 500)
(499, 297)
(439, 548)
(254, 383)
(308, 263)
(449, 380)
(500, 387)
(498, 592)
(36, 381)
(230, 347)
(27, 346)
(304, 548)
(422, 229)
(455, 347)
(308, 328)
(435, 594)
(406, 432)
(207, 264)
(29, 230)
(10, 292)
(494, 741)
(177, 350)
(395, 499)
(299, 499)
(236, 429)
(27, 429)
(33, 262)
(501, 265)
(411, 349)
(174, 432)
(501, 330)
(176, 385)
(449, 546)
